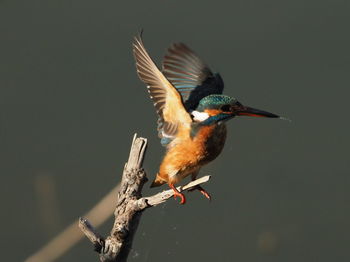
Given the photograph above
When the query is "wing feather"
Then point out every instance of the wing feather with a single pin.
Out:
(190, 75)
(166, 99)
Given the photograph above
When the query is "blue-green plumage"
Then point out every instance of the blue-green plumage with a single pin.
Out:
(215, 102)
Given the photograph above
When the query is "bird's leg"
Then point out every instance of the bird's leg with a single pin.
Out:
(177, 193)
(198, 187)
(203, 191)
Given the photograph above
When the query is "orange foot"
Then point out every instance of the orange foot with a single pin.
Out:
(177, 193)
(202, 190)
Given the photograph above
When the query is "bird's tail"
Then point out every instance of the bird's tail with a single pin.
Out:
(158, 181)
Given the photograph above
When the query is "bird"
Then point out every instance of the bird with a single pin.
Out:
(192, 112)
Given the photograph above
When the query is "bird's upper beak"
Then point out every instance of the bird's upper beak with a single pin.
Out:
(249, 111)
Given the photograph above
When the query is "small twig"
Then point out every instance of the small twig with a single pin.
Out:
(71, 235)
(91, 234)
(165, 195)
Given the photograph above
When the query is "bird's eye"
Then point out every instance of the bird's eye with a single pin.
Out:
(226, 108)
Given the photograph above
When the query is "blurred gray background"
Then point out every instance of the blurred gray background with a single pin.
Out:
(70, 102)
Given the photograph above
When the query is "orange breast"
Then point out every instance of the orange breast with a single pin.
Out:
(186, 155)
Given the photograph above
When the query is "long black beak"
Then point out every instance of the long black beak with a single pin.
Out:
(249, 111)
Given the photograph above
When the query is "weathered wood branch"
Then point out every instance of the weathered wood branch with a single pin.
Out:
(129, 208)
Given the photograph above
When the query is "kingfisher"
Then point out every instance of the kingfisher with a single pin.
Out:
(192, 112)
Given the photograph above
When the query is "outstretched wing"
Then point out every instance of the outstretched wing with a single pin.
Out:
(172, 115)
(190, 75)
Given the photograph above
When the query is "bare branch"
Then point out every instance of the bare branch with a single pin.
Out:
(129, 208)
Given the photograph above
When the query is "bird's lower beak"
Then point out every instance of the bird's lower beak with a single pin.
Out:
(249, 111)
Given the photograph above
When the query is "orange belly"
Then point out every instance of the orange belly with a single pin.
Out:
(186, 155)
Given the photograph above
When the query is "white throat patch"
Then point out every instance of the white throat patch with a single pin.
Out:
(199, 116)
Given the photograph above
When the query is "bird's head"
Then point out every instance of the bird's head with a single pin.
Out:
(217, 108)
